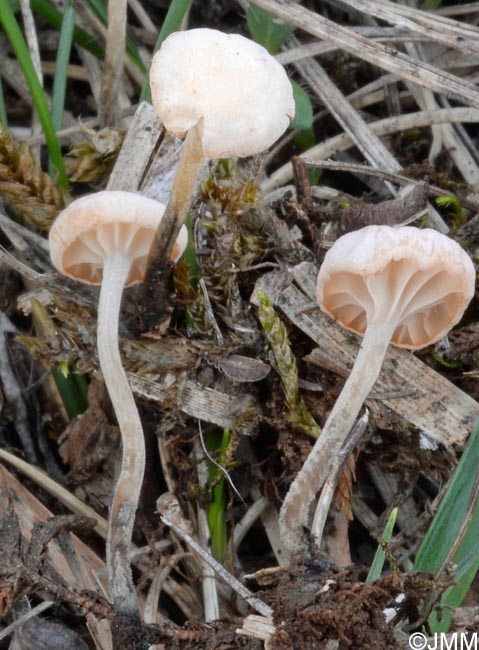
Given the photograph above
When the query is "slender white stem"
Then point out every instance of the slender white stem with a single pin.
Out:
(187, 172)
(130, 476)
(295, 514)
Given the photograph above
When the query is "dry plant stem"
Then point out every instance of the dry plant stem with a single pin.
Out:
(114, 60)
(63, 495)
(443, 30)
(331, 482)
(142, 16)
(377, 54)
(360, 168)
(236, 585)
(295, 514)
(130, 476)
(343, 142)
(32, 41)
(209, 587)
(35, 611)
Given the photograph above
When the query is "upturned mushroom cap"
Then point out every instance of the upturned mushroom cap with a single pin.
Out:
(102, 224)
(419, 279)
(242, 93)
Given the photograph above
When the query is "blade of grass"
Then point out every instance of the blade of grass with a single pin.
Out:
(467, 563)
(266, 30)
(447, 521)
(20, 49)
(216, 509)
(172, 23)
(61, 68)
(72, 387)
(377, 564)
(73, 399)
(456, 518)
(430, 5)
(72, 391)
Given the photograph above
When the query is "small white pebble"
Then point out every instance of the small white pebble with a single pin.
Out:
(326, 586)
(389, 614)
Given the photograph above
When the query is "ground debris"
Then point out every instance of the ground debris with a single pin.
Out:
(89, 438)
(23, 569)
(93, 160)
(312, 608)
(43, 634)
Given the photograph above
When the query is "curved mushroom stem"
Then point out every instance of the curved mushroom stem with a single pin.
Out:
(130, 476)
(295, 514)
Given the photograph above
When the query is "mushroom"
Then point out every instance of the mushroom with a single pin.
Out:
(104, 239)
(400, 285)
(227, 93)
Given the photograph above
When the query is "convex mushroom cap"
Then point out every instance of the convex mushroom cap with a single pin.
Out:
(106, 223)
(242, 93)
(419, 279)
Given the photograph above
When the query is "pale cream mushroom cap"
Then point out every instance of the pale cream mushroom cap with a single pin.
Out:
(102, 224)
(421, 278)
(242, 93)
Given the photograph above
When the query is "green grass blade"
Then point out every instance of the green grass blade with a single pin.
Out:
(467, 559)
(430, 5)
(22, 53)
(216, 509)
(172, 23)
(73, 399)
(266, 30)
(445, 527)
(72, 391)
(447, 521)
(303, 117)
(377, 565)
(61, 68)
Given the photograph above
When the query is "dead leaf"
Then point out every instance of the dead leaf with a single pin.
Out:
(389, 213)
(89, 439)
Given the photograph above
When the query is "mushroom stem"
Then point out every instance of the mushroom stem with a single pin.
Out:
(295, 512)
(130, 476)
(187, 172)
(184, 183)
